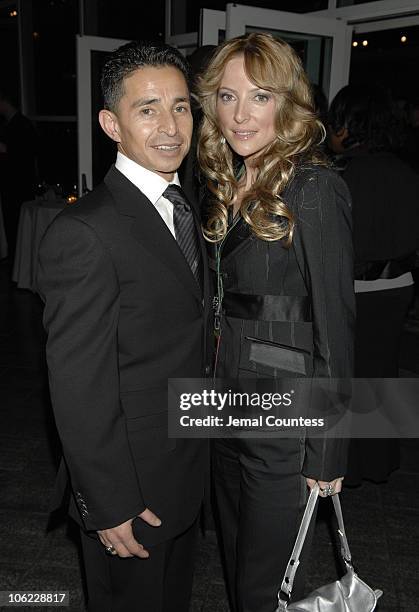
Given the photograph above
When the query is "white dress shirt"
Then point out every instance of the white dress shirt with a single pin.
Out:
(152, 186)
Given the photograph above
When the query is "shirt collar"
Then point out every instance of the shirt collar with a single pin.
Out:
(151, 184)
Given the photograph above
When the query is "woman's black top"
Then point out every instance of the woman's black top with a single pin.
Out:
(289, 312)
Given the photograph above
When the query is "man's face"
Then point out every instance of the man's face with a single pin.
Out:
(153, 122)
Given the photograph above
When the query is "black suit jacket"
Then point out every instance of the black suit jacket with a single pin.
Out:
(311, 332)
(123, 313)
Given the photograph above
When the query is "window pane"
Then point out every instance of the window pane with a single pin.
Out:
(185, 13)
(391, 57)
(125, 19)
(55, 24)
(341, 3)
(58, 153)
(314, 51)
(9, 53)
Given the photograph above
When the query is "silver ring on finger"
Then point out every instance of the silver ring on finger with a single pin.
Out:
(329, 490)
(110, 550)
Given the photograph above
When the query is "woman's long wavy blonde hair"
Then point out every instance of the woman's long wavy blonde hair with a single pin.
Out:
(273, 65)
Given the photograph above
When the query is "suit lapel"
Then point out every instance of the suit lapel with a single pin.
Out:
(149, 229)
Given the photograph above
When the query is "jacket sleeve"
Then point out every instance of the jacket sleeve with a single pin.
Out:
(78, 283)
(323, 245)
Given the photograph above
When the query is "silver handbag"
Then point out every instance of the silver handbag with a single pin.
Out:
(349, 594)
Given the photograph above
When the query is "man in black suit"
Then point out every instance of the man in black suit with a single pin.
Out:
(125, 284)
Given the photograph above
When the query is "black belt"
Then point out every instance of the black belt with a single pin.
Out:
(267, 307)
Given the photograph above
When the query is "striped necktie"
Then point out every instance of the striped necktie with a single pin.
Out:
(185, 229)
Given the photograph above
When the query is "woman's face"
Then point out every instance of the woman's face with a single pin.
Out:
(246, 113)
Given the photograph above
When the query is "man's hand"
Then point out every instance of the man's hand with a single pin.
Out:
(122, 540)
(326, 488)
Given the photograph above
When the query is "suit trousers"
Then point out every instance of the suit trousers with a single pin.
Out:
(161, 583)
(259, 498)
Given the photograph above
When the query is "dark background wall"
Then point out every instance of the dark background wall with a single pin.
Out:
(50, 27)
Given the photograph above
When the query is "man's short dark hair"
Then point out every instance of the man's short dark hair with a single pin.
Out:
(130, 57)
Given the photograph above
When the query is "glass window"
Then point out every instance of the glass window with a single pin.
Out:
(185, 13)
(58, 153)
(9, 52)
(125, 19)
(341, 3)
(391, 56)
(55, 24)
(314, 51)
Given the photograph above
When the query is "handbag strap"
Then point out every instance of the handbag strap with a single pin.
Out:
(294, 561)
(344, 546)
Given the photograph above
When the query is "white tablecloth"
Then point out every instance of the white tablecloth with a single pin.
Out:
(35, 217)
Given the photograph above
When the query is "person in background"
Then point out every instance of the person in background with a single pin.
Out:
(189, 171)
(278, 222)
(321, 105)
(363, 133)
(18, 164)
(411, 146)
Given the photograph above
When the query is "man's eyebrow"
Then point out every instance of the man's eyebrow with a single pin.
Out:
(144, 102)
(147, 101)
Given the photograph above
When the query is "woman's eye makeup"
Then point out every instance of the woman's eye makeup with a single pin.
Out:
(262, 97)
(225, 96)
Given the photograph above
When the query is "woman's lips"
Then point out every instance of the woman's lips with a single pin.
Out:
(244, 134)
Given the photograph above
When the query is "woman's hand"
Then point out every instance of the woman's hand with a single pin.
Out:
(327, 488)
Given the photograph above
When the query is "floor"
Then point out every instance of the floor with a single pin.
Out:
(37, 553)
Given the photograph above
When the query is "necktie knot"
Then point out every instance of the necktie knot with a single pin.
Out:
(175, 195)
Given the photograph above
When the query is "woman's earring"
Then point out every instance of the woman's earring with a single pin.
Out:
(223, 140)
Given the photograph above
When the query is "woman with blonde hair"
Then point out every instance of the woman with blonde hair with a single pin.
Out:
(278, 224)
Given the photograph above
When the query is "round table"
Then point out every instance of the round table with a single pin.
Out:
(35, 217)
